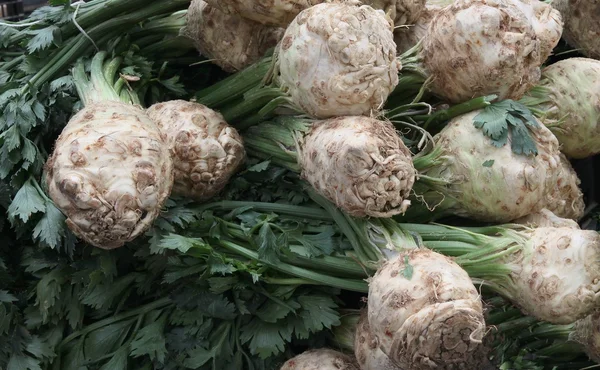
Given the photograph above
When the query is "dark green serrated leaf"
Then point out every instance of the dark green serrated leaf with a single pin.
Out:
(6, 297)
(39, 348)
(179, 243)
(11, 138)
(500, 118)
(150, 341)
(42, 38)
(265, 339)
(199, 356)
(174, 85)
(50, 230)
(106, 339)
(23, 362)
(118, 361)
(318, 312)
(26, 202)
(318, 244)
(522, 142)
(268, 248)
(272, 311)
(260, 167)
(219, 285)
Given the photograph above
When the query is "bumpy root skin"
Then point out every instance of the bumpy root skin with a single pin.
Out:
(366, 348)
(582, 29)
(407, 37)
(439, 300)
(360, 164)
(270, 12)
(513, 187)
(321, 359)
(482, 47)
(110, 173)
(557, 275)
(231, 41)
(338, 59)
(547, 23)
(206, 151)
(567, 198)
(572, 112)
(545, 218)
(587, 333)
(408, 11)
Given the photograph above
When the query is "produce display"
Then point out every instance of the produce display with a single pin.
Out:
(300, 185)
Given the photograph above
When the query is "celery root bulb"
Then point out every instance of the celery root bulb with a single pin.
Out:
(566, 200)
(360, 164)
(270, 12)
(206, 151)
(570, 95)
(320, 359)
(512, 186)
(110, 173)
(231, 41)
(366, 348)
(482, 47)
(431, 318)
(338, 59)
(582, 29)
(556, 277)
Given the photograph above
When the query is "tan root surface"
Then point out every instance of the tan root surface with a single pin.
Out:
(366, 348)
(110, 173)
(321, 359)
(545, 218)
(587, 333)
(360, 164)
(270, 12)
(482, 47)
(231, 41)
(572, 112)
(432, 319)
(206, 151)
(582, 28)
(408, 11)
(567, 198)
(338, 59)
(557, 275)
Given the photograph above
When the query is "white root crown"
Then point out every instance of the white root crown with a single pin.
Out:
(360, 164)
(437, 298)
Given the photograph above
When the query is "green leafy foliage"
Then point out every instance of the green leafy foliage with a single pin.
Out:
(499, 119)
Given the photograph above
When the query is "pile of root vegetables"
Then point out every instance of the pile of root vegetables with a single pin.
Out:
(300, 185)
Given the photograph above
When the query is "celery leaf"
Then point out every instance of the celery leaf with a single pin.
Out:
(500, 118)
